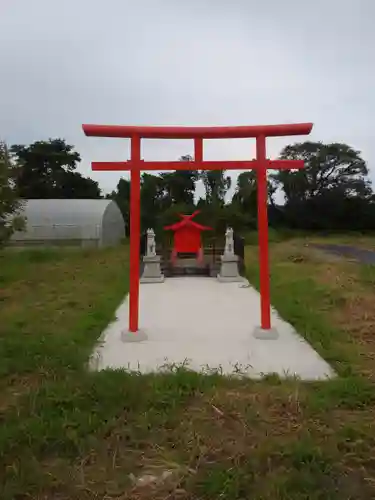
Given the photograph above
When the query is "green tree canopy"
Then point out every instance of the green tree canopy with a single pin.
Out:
(9, 201)
(335, 168)
(47, 170)
(122, 197)
(179, 186)
(332, 191)
(153, 200)
(246, 192)
(216, 185)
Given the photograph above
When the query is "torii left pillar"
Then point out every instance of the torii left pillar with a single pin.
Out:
(135, 230)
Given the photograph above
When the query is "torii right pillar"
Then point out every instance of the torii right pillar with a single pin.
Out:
(265, 330)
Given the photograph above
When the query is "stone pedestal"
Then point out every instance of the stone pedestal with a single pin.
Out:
(229, 269)
(229, 261)
(152, 272)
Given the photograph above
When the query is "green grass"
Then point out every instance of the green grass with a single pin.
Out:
(69, 434)
(53, 304)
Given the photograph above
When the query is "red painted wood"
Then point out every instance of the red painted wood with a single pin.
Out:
(187, 240)
(135, 217)
(197, 132)
(196, 165)
(187, 234)
(187, 221)
(265, 301)
(198, 150)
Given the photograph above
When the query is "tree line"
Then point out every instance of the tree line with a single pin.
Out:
(332, 192)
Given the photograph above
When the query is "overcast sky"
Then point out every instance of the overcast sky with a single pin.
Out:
(186, 62)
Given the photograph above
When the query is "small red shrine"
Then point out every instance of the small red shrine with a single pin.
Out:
(187, 236)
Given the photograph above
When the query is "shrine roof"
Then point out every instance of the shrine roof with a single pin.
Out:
(187, 222)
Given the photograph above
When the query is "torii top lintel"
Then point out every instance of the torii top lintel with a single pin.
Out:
(136, 133)
(148, 132)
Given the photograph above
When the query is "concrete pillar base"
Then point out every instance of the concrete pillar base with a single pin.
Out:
(139, 336)
(260, 333)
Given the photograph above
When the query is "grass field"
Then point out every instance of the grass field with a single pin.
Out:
(69, 434)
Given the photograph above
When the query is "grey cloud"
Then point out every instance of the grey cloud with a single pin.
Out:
(185, 62)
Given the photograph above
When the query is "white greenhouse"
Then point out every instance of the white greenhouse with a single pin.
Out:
(86, 223)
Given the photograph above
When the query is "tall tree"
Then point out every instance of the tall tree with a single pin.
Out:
(246, 192)
(122, 197)
(10, 220)
(180, 185)
(152, 199)
(216, 185)
(47, 170)
(335, 168)
(76, 186)
(335, 178)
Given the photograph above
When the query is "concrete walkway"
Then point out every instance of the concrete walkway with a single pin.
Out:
(208, 326)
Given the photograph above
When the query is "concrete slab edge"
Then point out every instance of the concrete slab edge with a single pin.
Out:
(238, 372)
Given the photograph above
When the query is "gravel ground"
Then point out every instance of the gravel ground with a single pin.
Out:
(360, 254)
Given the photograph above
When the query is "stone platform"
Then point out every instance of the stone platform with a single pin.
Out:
(206, 325)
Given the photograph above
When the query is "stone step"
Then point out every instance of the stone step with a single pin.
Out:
(175, 270)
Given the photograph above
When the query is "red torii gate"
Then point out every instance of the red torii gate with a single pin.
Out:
(136, 164)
